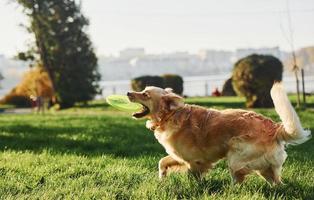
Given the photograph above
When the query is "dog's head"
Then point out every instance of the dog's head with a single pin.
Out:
(157, 102)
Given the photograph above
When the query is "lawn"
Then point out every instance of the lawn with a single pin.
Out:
(95, 152)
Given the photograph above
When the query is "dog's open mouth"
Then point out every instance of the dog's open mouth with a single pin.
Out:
(145, 111)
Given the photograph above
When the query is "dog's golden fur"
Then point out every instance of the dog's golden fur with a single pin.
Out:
(196, 138)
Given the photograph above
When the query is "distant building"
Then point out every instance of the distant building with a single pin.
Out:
(132, 52)
(134, 62)
(220, 61)
(274, 51)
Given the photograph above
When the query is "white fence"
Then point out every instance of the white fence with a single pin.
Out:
(201, 85)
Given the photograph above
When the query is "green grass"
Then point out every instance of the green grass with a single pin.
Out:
(95, 152)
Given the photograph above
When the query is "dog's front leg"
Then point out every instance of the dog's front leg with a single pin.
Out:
(164, 164)
(168, 164)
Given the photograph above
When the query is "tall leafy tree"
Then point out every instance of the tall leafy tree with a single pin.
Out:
(1, 78)
(63, 48)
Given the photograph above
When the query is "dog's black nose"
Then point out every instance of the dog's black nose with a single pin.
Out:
(128, 93)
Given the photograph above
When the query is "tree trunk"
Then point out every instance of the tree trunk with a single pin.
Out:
(297, 86)
(303, 88)
(42, 49)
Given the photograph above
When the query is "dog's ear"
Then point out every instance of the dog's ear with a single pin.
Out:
(169, 90)
(171, 101)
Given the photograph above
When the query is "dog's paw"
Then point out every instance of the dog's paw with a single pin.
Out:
(150, 125)
(162, 173)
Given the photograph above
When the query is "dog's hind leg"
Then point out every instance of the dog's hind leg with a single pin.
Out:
(237, 168)
(238, 157)
(275, 158)
(272, 175)
(168, 165)
(239, 175)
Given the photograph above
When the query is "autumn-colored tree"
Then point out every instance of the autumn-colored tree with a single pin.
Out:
(35, 82)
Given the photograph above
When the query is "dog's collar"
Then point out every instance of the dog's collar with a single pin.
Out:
(167, 117)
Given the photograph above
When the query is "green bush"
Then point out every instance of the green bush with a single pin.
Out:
(168, 80)
(253, 77)
(227, 89)
(139, 83)
(173, 81)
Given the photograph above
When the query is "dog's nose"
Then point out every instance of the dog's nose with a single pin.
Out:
(128, 93)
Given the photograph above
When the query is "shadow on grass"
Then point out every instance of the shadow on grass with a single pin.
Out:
(97, 104)
(213, 186)
(97, 136)
(121, 140)
(308, 105)
(232, 104)
(290, 189)
(193, 188)
(216, 186)
(223, 104)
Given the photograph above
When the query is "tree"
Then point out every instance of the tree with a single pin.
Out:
(253, 77)
(1, 78)
(35, 82)
(301, 60)
(63, 48)
(296, 68)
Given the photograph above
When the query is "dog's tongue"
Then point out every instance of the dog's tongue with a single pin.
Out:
(142, 113)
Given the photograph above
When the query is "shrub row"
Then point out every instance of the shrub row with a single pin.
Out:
(165, 81)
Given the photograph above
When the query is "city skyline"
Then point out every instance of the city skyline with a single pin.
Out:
(163, 26)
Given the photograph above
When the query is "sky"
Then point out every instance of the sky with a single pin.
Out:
(163, 26)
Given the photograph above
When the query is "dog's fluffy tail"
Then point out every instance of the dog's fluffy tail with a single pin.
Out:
(293, 132)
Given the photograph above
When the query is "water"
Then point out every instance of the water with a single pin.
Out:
(201, 85)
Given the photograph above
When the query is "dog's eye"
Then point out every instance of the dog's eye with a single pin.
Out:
(145, 94)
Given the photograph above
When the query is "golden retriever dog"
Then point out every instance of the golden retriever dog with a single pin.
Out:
(196, 138)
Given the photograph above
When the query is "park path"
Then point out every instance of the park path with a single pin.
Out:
(17, 111)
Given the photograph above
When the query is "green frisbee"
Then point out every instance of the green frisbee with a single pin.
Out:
(122, 102)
